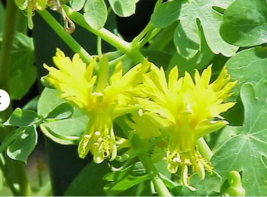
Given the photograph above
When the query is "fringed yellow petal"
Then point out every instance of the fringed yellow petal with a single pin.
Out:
(117, 74)
(128, 85)
(158, 77)
(187, 81)
(221, 81)
(63, 63)
(80, 66)
(197, 78)
(90, 70)
(173, 78)
(205, 77)
(71, 80)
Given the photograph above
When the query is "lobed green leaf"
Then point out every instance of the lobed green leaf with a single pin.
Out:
(187, 34)
(201, 60)
(245, 23)
(205, 187)
(245, 152)
(248, 66)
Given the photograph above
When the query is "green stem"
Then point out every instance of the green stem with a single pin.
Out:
(46, 190)
(145, 39)
(163, 38)
(204, 149)
(22, 23)
(8, 36)
(69, 40)
(99, 47)
(15, 169)
(131, 51)
(154, 33)
(157, 4)
(235, 185)
(148, 33)
(142, 34)
(40, 179)
(8, 180)
(103, 74)
(21, 175)
(113, 63)
(150, 168)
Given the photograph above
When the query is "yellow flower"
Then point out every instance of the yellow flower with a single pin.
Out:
(186, 110)
(30, 6)
(101, 99)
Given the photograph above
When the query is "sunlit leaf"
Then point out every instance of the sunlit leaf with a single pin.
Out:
(245, 152)
(123, 8)
(187, 35)
(95, 13)
(245, 23)
(205, 187)
(248, 66)
(77, 5)
(199, 61)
